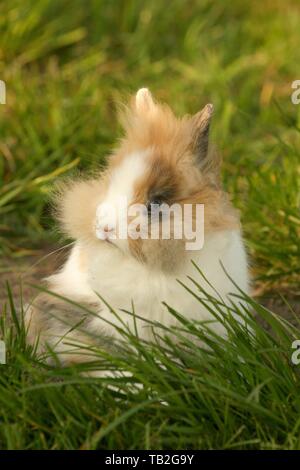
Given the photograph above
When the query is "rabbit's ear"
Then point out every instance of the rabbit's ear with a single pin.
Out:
(144, 101)
(200, 132)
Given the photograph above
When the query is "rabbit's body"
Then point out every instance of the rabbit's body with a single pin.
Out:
(158, 157)
(121, 280)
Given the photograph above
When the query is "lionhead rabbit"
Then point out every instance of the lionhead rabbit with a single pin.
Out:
(162, 160)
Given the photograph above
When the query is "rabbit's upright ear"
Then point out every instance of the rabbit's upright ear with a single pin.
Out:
(144, 101)
(200, 132)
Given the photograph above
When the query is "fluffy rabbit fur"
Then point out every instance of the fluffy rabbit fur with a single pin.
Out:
(162, 157)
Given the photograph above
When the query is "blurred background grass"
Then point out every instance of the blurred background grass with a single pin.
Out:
(66, 63)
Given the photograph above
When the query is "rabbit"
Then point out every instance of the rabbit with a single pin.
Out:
(161, 159)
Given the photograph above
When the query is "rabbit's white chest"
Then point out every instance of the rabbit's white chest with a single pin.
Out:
(122, 281)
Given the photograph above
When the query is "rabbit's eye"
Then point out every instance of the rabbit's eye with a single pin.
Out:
(154, 204)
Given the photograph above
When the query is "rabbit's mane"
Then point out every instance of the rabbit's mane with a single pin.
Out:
(172, 170)
(158, 128)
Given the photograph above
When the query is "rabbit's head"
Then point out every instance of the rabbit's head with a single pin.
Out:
(159, 176)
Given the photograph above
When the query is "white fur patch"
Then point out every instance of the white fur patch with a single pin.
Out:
(125, 175)
(121, 188)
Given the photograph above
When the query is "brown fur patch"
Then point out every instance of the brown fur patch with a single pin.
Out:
(65, 328)
(175, 174)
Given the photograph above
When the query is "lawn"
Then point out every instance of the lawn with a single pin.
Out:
(66, 65)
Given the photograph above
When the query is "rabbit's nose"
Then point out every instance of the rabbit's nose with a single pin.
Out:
(107, 229)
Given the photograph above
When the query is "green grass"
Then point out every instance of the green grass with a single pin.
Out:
(237, 393)
(66, 63)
